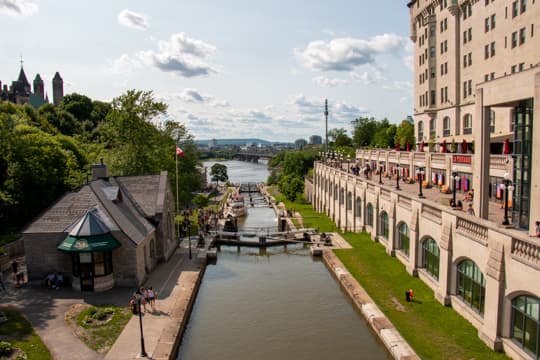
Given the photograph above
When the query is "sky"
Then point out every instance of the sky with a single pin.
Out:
(226, 68)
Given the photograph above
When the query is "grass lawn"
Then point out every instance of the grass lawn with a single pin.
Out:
(18, 331)
(100, 326)
(433, 330)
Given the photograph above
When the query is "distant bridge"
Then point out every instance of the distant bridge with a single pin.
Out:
(253, 157)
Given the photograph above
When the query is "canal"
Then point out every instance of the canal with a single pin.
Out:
(275, 303)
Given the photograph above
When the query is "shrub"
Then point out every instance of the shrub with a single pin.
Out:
(5, 348)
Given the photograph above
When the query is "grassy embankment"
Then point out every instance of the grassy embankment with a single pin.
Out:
(434, 331)
(18, 331)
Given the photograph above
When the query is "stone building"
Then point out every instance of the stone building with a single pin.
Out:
(20, 91)
(112, 231)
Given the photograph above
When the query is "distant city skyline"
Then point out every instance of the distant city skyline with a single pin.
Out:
(226, 70)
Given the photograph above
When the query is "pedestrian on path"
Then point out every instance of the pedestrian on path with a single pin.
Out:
(151, 297)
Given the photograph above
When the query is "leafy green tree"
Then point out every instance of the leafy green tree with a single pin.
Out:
(200, 201)
(364, 130)
(219, 173)
(405, 133)
(290, 186)
(80, 106)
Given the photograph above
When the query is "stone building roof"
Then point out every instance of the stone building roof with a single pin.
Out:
(126, 202)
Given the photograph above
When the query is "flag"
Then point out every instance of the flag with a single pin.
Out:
(179, 152)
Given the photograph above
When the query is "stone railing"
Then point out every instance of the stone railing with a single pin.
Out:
(526, 252)
(438, 158)
(432, 214)
(386, 194)
(405, 202)
(472, 230)
(499, 162)
(371, 188)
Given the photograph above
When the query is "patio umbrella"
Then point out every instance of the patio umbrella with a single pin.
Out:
(443, 149)
(408, 147)
(506, 147)
(464, 147)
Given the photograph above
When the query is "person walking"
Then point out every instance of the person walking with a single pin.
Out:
(151, 297)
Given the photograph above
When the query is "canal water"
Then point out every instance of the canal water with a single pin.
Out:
(274, 303)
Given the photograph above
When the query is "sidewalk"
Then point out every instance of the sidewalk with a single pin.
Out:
(175, 282)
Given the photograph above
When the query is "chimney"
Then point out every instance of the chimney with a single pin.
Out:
(99, 171)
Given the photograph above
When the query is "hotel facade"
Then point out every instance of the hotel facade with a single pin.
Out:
(477, 86)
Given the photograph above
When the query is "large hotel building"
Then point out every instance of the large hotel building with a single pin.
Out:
(477, 95)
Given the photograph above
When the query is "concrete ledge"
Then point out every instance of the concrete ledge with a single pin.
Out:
(381, 326)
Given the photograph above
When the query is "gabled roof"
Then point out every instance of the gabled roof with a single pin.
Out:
(106, 203)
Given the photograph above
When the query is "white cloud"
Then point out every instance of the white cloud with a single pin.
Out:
(124, 64)
(220, 103)
(18, 8)
(346, 54)
(327, 82)
(193, 96)
(133, 20)
(307, 106)
(181, 55)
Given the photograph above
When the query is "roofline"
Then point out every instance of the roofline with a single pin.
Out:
(410, 3)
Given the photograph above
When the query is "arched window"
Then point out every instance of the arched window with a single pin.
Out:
(525, 323)
(430, 257)
(383, 228)
(467, 124)
(335, 192)
(403, 242)
(369, 215)
(341, 196)
(432, 128)
(349, 201)
(420, 130)
(471, 285)
(446, 126)
(358, 206)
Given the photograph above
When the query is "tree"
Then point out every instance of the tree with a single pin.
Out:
(201, 201)
(405, 133)
(290, 186)
(364, 130)
(219, 173)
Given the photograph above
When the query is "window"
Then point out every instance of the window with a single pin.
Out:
(369, 215)
(471, 285)
(492, 20)
(469, 86)
(403, 240)
(525, 328)
(523, 6)
(467, 124)
(432, 128)
(420, 130)
(383, 228)
(469, 33)
(492, 76)
(433, 72)
(515, 9)
(358, 207)
(430, 257)
(446, 126)
(349, 201)
(492, 47)
(492, 121)
(513, 69)
(433, 97)
(432, 52)
(521, 36)
(486, 24)
(432, 30)
(101, 260)
(469, 58)
(486, 51)
(464, 61)
(514, 39)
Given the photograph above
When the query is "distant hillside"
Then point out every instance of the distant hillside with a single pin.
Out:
(239, 142)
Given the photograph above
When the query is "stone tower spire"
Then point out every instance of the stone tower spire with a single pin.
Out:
(58, 89)
(39, 88)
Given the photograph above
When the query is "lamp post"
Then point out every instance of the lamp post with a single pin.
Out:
(397, 178)
(138, 296)
(380, 175)
(507, 187)
(187, 229)
(420, 177)
(454, 179)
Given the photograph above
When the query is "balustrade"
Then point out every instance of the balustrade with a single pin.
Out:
(432, 214)
(472, 230)
(526, 252)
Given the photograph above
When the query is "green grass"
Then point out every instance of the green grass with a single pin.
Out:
(18, 331)
(101, 336)
(433, 330)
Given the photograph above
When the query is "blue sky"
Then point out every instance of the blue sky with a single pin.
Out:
(227, 68)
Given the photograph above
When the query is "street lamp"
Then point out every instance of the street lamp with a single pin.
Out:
(380, 175)
(138, 296)
(507, 187)
(187, 228)
(455, 178)
(420, 176)
(397, 178)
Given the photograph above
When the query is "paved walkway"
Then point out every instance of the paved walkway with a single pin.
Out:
(45, 310)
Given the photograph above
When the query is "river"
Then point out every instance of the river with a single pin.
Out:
(275, 303)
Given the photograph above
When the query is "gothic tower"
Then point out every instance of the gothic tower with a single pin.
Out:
(58, 89)
(39, 90)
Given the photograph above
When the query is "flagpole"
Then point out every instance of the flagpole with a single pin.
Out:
(177, 195)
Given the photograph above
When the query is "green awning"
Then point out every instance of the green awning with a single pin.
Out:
(89, 243)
